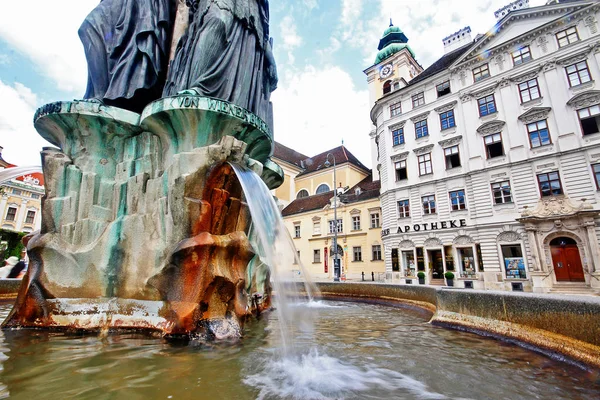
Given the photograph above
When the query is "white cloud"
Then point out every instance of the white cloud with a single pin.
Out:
(21, 142)
(310, 4)
(290, 37)
(46, 32)
(316, 108)
(4, 59)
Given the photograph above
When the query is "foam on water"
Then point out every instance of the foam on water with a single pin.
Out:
(319, 376)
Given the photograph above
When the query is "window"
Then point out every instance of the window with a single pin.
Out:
(395, 109)
(30, 217)
(521, 56)
(447, 119)
(418, 99)
(317, 255)
(596, 171)
(387, 87)
(578, 73)
(356, 223)
(396, 85)
(480, 73)
(529, 90)
(550, 184)
(428, 204)
(375, 220)
(357, 252)
(316, 227)
(398, 136)
(302, 193)
(425, 166)
(421, 129)
(340, 226)
(466, 261)
(297, 259)
(11, 214)
(457, 200)
(452, 157)
(35, 196)
(567, 36)
(404, 209)
(589, 118)
(443, 89)
(17, 192)
(493, 145)
(501, 192)
(376, 252)
(513, 261)
(401, 172)
(487, 105)
(297, 230)
(323, 188)
(538, 134)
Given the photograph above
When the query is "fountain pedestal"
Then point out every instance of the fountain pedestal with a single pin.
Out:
(144, 221)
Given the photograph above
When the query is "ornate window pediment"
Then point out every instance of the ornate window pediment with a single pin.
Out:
(446, 107)
(316, 219)
(534, 114)
(397, 126)
(463, 240)
(491, 127)
(406, 244)
(556, 207)
(451, 141)
(399, 156)
(527, 76)
(485, 92)
(573, 59)
(509, 236)
(423, 150)
(585, 99)
(355, 211)
(432, 242)
(420, 117)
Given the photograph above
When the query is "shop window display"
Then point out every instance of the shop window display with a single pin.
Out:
(466, 262)
(408, 261)
(514, 261)
(449, 258)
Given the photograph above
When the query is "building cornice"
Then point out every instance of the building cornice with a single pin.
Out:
(491, 127)
(585, 99)
(450, 141)
(400, 156)
(534, 114)
(446, 107)
(423, 150)
(420, 117)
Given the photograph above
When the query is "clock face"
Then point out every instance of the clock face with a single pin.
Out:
(386, 71)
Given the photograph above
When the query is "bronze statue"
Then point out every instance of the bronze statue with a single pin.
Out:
(227, 54)
(126, 45)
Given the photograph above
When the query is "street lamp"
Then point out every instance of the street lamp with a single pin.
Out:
(336, 260)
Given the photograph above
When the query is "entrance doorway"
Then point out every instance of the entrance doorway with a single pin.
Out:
(566, 260)
(436, 263)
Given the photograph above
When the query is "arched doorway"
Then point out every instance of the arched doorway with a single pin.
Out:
(566, 260)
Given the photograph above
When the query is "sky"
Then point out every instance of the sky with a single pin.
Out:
(321, 48)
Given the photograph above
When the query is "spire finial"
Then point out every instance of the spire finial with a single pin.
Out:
(391, 22)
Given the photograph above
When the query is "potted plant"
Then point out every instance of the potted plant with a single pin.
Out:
(449, 278)
(421, 276)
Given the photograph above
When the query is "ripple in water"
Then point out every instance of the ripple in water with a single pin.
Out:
(315, 376)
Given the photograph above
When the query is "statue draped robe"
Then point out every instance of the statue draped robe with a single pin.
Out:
(126, 44)
(226, 53)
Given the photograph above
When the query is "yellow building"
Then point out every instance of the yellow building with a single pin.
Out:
(310, 215)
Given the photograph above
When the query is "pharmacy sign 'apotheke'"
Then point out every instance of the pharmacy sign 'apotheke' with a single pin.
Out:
(428, 226)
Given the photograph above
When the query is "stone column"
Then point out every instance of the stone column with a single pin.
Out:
(590, 227)
(538, 264)
(21, 216)
(3, 202)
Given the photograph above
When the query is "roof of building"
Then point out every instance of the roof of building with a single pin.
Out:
(369, 189)
(342, 155)
(390, 50)
(441, 64)
(392, 41)
(286, 154)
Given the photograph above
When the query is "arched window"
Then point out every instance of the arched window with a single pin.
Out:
(302, 193)
(323, 188)
(387, 87)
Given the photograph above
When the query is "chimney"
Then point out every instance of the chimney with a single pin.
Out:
(514, 6)
(457, 39)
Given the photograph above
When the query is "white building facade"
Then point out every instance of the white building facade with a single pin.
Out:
(489, 160)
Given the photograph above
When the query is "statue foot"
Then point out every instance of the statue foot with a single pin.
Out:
(190, 92)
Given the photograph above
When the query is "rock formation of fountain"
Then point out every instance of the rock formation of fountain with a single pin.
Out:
(145, 224)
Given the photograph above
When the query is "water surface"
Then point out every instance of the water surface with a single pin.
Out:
(348, 351)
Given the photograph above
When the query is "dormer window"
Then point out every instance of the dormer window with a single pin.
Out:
(443, 89)
(357, 191)
(481, 72)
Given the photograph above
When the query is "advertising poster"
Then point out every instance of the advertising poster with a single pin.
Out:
(515, 267)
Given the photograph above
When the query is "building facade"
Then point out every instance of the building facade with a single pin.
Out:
(310, 217)
(489, 159)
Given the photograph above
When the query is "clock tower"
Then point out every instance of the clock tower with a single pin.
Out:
(394, 66)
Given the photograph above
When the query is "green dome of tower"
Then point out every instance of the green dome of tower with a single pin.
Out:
(392, 41)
